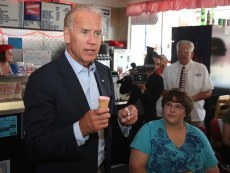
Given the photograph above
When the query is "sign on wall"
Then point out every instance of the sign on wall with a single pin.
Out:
(11, 13)
(37, 57)
(53, 16)
(33, 15)
(106, 17)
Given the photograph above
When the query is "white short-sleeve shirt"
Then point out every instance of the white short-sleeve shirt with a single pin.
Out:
(197, 80)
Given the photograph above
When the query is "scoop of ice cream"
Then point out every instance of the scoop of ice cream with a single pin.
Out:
(103, 101)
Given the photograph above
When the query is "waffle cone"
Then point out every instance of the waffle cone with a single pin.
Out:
(103, 101)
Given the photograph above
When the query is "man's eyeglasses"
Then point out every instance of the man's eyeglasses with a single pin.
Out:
(176, 106)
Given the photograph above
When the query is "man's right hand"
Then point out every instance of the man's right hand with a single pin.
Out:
(94, 121)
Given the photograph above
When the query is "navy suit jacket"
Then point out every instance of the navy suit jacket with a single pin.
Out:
(54, 100)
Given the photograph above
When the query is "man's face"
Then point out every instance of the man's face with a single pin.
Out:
(84, 38)
(184, 54)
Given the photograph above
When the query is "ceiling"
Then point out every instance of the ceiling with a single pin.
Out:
(108, 3)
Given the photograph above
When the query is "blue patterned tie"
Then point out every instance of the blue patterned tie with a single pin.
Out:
(182, 79)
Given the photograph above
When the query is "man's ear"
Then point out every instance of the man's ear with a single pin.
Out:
(66, 35)
(192, 53)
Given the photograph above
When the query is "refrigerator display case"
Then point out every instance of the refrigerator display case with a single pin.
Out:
(12, 87)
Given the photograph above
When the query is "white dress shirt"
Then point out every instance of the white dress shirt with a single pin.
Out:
(197, 80)
(87, 79)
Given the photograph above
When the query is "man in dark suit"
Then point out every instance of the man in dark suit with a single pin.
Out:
(65, 131)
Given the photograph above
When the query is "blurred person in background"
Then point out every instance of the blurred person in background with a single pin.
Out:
(160, 63)
(197, 80)
(226, 138)
(6, 56)
(144, 95)
(170, 144)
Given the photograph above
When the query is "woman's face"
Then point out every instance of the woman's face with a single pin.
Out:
(174, 113)
(9, 55)
(157, 62)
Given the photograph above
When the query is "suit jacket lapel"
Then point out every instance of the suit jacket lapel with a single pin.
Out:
(103, 80)
(99, 78)
(72, 84)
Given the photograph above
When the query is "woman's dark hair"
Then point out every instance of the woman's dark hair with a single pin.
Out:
(178, 96)
(3, 56)
(149, 57)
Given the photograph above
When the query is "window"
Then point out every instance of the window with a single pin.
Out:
(159, 35)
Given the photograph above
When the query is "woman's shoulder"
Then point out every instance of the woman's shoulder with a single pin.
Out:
(196, 131)
(150, 129)
(155, 77)
(155, 124)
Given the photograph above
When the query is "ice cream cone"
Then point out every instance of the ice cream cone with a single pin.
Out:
(103, 101)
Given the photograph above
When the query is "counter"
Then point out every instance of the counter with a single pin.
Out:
(11, 107)
(13, 78)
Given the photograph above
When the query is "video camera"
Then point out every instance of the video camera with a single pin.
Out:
(138, 74)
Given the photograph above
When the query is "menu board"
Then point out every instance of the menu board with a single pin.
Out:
(53, 16)
(37, 57)
(11, 13)
(33, 15)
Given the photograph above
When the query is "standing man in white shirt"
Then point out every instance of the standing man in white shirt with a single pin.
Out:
(197, 80)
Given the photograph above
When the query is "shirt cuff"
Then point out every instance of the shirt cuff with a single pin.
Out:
(124, 129)
(78, 135)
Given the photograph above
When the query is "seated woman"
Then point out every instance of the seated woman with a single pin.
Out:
(6, 67)
(226, 138)
(170, 144)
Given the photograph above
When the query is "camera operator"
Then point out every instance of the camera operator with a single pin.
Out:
(144, 95)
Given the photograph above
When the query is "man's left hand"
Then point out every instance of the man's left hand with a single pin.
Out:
(128, 115)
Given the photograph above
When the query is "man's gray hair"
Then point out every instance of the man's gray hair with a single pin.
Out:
(69, 18)
(191, 45)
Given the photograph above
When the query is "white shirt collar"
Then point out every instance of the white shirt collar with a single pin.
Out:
(76, 66)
